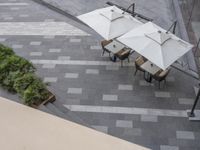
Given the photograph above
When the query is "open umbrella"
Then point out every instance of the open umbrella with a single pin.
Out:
(110, 22)
(160, 47)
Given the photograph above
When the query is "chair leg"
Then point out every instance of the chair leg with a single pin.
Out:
(103, 52)
(135, 72)
(121, 63)
(128, 60)
(159, 84)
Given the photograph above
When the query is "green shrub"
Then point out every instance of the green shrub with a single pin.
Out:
(23, 82)
(17, 75)
(35, 93)
(11, 68)
(5, 51)
(9, 80)
(15, 63)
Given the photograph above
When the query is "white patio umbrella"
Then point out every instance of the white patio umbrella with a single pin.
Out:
(110, 22)
(152, 42)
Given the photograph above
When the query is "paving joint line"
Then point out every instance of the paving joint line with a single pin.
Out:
(58, 10)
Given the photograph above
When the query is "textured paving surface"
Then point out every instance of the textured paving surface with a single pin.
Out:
(109, 98)
(193, 27)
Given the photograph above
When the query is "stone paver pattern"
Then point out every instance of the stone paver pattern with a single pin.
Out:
(105, 95)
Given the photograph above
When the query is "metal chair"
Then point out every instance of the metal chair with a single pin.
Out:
(161, 76)
(138, 63)
(103, 44)
(123, 54)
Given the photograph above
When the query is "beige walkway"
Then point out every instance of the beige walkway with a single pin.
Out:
(24, 128)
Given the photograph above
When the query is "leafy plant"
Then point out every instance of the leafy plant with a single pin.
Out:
(23, 82)
(17, 75)
(11, 68)
(5, 51)
(8, 82)
(35, 93)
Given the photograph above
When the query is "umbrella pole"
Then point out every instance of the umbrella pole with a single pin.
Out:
(128, 11)
(174, 27)
(191, 114)
(133, 9)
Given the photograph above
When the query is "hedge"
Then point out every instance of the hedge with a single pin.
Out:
(17, 75)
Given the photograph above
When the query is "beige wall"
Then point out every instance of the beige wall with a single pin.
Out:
(24, 128)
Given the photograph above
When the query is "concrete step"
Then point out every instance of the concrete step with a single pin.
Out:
(45, 109)
(72, 116)
(56, 108)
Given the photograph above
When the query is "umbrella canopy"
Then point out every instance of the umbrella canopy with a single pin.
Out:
(110, 22)
(152, 42)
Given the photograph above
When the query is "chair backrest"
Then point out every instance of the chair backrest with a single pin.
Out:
(139, 60)
(105, 42)
(164, 73)
(124, 54)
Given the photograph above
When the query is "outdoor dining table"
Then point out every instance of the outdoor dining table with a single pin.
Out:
(114, 47)
(150, 69)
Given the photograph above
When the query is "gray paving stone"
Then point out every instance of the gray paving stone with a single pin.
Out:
(73, 101)
(76, 62)
(74, 90)
(162, 94)
(49, 20)
(128, 110)
(149, 118)
(95, 47)
(145, 83)
(8, 18)
(23, 15)
(125, 87)
(37, 28)
(72, 75)
(35, 53)
(35, 43)
(170, 79)
(114, 68)
(110, 97)
(133, 131)
(50, 79)
(92, 71)
(101, 128)
(13, 4)
(50, 66)
(54, 50)
(64, 58)
(186, 101)
(124, 124)
(168, 147)
(49, 37)
(14, 8)
(2, 39)
(185, 135)
(75, 40)
(15, 46)
(146, 104)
